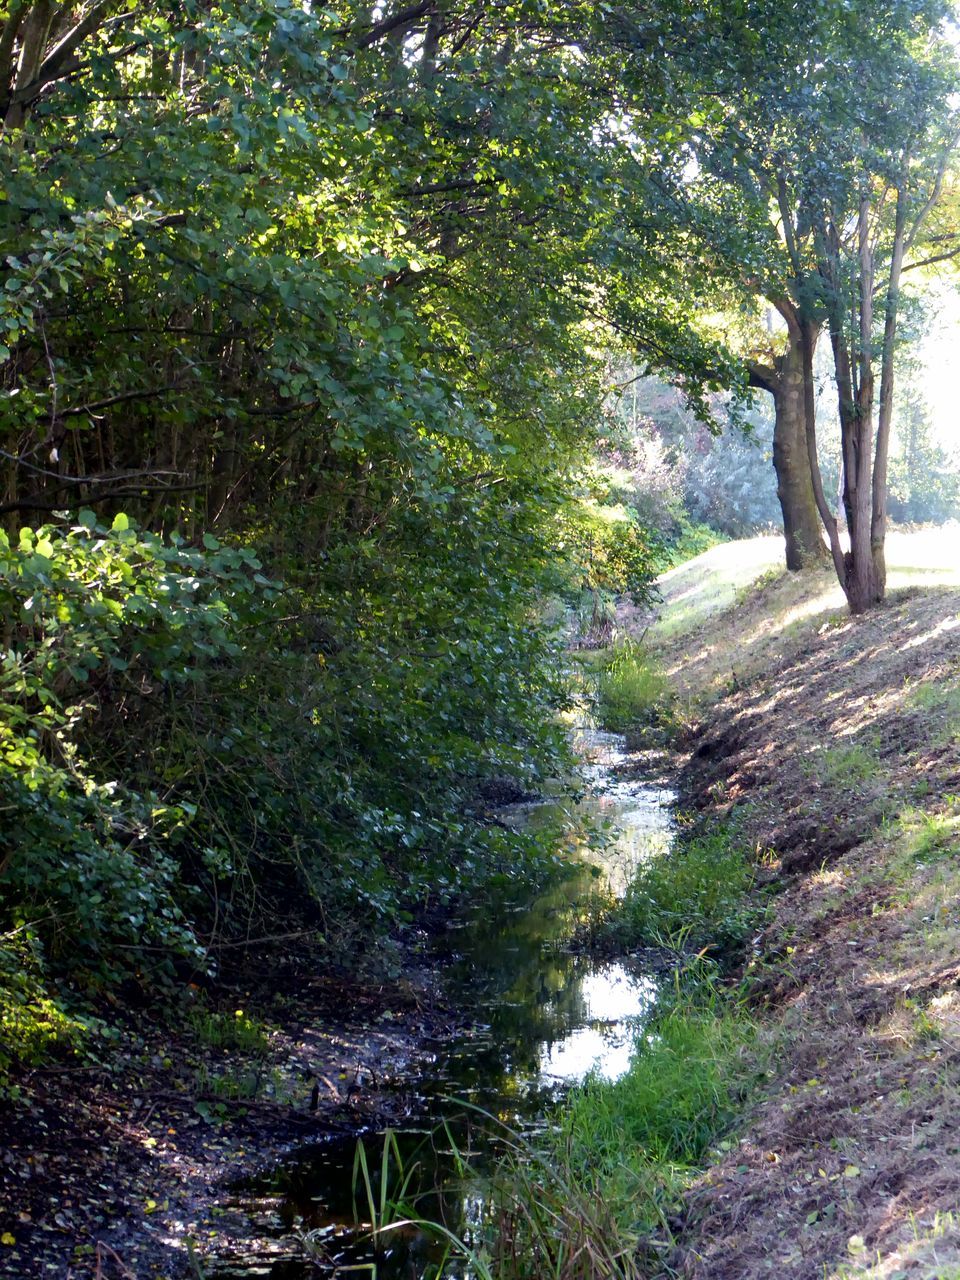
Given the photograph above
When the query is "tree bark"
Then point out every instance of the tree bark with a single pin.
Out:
(784, 379)
(801, 521)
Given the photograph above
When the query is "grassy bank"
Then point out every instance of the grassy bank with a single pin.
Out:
(602, 1195)
(796, 1117)
(834, 745)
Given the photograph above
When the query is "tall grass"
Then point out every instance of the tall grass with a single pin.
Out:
(638, 1143)
(695, 896)
(679, 1093)
(631, 689)
(533, 1218)
(593, 1198)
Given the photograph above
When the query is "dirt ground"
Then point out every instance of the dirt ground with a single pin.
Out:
(835, 744)
(119, 1172)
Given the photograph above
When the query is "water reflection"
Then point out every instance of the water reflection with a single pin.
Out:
(545, 1015)
(617, 1003)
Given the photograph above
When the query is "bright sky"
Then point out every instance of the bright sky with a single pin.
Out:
(941, 357)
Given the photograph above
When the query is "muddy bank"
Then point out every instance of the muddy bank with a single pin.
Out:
(161, 1164)
(110, 1169)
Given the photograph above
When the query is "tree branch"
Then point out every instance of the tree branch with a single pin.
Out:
(405, 16)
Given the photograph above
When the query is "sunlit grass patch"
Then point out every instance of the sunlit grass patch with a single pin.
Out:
(929, 1249)
(929, 695)
(939, 700)
(848, 763)
(845, 765)
(231, 1030)
(711, 582)
(926, 837)
(631, 689)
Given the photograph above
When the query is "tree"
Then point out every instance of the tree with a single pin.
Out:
(785, 376)
(335, 281)
(827, 167)
(733, 194)
(896, 176)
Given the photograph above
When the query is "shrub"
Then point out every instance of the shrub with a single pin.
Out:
(192, 752)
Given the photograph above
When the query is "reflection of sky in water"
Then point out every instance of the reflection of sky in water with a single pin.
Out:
(616, 1003)
(545, 1015)
(642, 827)
(636, 818)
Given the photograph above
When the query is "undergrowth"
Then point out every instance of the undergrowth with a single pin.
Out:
(195, 754)
(631, 689)
(696, 897)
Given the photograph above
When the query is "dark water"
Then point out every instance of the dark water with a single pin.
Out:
(544, 1016)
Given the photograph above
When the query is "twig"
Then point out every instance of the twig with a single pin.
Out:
(105, 1248)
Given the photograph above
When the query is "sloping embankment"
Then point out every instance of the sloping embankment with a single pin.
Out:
(837, 741)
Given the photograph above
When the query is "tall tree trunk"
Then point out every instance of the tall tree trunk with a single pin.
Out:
(784, 379)
(864, 576)
(878, 523)
(801, 521)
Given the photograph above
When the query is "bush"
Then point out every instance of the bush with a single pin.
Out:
(691, 540)
(192, 752)
(103, 628)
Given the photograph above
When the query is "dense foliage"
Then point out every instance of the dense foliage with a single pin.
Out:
(298, 320)
(302, 325)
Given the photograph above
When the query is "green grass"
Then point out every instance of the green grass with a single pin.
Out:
(928, 837)
(234, 1030)
(940, 703)
(679, 1094)
(695, 896)
(632, 1146)
(631, 689)
(851, 764)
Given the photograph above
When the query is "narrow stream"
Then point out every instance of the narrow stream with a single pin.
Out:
(545, 1015)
